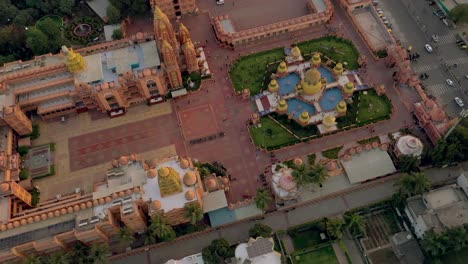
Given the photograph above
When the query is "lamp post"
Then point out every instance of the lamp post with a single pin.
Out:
(463, 114)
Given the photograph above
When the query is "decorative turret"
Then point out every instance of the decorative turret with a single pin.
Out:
(341, 107)
(190, 56)
(282, 106)
(172, 67)
(338, 69)
(184, 34)
(304, 118)
(75, 62)
(316, 60)
(163, 29)
(273, 86)
(312, 84)
(295, 53)
(348, 88)
(282, 69)
(328, 122)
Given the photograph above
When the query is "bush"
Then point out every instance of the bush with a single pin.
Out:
(260, 230)
(35, 197)
(23, 151)
(52, 170)
(332, 153)
(35, 132)
(52, 147)
(24, 174)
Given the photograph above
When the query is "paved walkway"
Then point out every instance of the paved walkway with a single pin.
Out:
(340, 255)
(330, 205)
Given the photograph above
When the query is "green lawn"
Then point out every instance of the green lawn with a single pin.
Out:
(57, 19)
(270, 134)
(459, 257)
(332, 153)
(306, 238)
(337, 49)
(293, 126)
(319, 256)
(372, 106)
(249, 71)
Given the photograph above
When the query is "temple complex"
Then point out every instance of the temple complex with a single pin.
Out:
(134, 190)
(176, 8)
(108, 77)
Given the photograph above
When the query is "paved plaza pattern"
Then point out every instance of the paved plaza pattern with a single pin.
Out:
(198, 122)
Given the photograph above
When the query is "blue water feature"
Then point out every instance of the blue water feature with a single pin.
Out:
(288, 83)
(222, 216)
(327, 74)
(296, 107)
(330, 98)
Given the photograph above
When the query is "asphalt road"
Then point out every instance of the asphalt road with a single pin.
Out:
(413, 23)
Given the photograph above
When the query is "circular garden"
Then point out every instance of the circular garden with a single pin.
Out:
(83, 30)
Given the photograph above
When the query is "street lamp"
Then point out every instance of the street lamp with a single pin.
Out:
(463, 114)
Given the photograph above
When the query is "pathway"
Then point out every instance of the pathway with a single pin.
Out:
(340, 255)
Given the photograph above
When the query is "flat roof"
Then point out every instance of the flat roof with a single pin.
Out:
(442, 197)
(99, 7)
(368, 165)
(93, 71)
(214, 201)
(376, 32)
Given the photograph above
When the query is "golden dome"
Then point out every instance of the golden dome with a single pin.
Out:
(115, 195)
(63, 211)
(43, 216)
(331, 166)
(76, 207)
(190, 195)
(349, 88)
(282, 106)
(312, 75)
(225, 180)
(282, 67)
(184, 164)
(311, 88)
(273, 86)
(338, 69)
(316, 60)
(156, 205)
(295, 52)
(341, 107)
(190, 178)
(4, 187)
(152, 173)
(123, 160)
(304, 117)
(16, 223)
(329, 120)
(164, 172)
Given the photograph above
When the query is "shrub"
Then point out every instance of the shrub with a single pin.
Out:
(52, 170)
(260, 230)
(23, 151)
(52, 146)
(35, 132)
(24, 174)
(35, 197)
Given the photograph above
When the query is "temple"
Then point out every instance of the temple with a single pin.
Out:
(108, 77)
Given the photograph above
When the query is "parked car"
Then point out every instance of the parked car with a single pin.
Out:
(435, 38)
(432, 3)
(449, 82)
(375, 2)
(220, 2)
(459, 102)
(428, 48)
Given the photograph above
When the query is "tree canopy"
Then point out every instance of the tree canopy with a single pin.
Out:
(37, 41)
(260, 230)
(262, 198)
(413, 184)
(131, 7)
(459, 14)
(218, 251)
(452, 149)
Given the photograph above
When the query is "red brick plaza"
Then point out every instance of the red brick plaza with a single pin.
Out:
(198, 122)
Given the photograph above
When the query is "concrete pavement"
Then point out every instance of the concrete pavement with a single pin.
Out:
(330, 205)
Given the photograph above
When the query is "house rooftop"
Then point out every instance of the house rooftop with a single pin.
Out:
(368, 165)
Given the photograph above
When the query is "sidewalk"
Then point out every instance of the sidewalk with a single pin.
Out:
(353, 249)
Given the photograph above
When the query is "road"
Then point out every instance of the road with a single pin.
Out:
(413, 23)
(331, 205)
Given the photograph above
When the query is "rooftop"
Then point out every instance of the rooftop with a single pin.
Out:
(406, 248)
(368, 165)
(193, 259)
(257, 251)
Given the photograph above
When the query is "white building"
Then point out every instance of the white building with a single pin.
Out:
(257, 251)
(438, 210)
(193, 259)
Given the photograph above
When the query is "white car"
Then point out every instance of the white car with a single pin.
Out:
(459, 101)
(449, 82)
(220, 2)
(428, 48)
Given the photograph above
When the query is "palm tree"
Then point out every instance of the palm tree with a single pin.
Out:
(99, 254)
(262, 198)
(126, 236)
(355, 223)
(318, 174)
(161, 229)
(150, 239)
(193, 212)
(409, 163)
(412, 184)
(300, 175)
(335, 227)
(32, 259)
(458, 238)
(59, 258)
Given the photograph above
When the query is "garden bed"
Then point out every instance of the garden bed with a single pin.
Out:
(332, 153)
(372, 107)
(318, 256)
(270, 134)
(308, 235)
